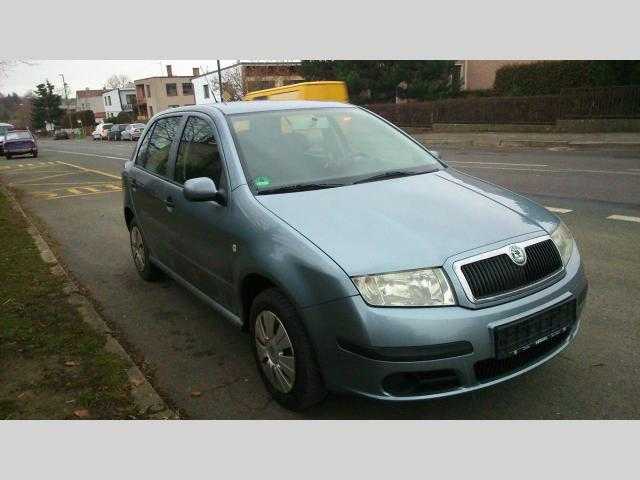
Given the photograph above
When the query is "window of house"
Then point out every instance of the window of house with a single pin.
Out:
(148, 91)
(198, 154)
(187, 88)
(172, 89)
(155, 157)
(205, 91)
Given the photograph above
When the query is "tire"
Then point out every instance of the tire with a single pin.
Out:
(8, 155)
(304, 387)
(140, 254)
(34, 154)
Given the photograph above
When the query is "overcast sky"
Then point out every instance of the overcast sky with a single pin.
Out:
(80, 74)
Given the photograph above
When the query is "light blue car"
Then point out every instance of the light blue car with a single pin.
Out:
(356, 260)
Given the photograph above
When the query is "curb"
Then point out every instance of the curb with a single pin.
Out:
(494, 141)
(144, 395)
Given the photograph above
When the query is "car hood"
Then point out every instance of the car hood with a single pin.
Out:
(409, 222)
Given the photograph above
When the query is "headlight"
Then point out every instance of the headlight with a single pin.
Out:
(415, 288)
(563, 239)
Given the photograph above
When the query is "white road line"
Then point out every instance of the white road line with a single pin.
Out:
(90, 170)
(501, 163)
(624, 218)
(558, 210)
(86, 154)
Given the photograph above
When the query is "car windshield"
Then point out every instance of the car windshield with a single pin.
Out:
(322, 148)
(18, 136)
(3, 129)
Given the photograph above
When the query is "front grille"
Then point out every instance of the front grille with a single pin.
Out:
(20, 145)
(523, 342)
(497, 275)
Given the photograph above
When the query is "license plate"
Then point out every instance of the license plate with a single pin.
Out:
(518, 336)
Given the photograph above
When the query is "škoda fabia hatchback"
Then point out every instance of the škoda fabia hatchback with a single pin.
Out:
(356, 260)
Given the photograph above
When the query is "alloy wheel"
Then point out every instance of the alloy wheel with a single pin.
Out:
(137, 248)
(275, 351)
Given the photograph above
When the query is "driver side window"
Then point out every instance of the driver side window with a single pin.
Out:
(154, 151)
(198, 155)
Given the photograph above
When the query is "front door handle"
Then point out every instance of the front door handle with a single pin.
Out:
(169, 203)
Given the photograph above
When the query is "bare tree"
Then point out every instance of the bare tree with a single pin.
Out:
(233, 88)
(22, 118)
(117, 81)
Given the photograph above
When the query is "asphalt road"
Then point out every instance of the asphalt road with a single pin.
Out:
(73, 190)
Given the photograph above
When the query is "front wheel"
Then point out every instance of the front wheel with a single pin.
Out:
(283, 352)
(140, 254)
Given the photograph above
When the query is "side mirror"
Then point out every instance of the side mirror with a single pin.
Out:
(202, 189)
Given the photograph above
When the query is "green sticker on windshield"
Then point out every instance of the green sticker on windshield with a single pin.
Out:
(262, 181)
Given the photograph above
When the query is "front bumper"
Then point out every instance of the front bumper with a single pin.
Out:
(20, 151)
(337, 326)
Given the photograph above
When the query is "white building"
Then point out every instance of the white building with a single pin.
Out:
(118, 100)
(244, 77)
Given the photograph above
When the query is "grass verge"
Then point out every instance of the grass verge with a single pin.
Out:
(53, 365)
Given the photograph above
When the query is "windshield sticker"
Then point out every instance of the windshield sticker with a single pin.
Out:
(262, 181)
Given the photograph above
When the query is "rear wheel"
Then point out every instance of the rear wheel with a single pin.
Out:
(140, 254)
(8, 155)
(283, 352)
(34, 154)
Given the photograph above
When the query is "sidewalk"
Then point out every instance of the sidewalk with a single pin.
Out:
(533, 140)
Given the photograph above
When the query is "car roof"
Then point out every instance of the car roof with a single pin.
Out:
(19, 131)
(231, 108)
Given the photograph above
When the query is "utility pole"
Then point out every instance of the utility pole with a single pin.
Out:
(220, 81)
(66, 100)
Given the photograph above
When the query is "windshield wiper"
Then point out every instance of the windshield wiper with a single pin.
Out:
(392, 174)
(301, 187)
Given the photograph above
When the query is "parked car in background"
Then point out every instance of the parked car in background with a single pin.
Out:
(60, 134)
(101, 131)
(115, 132)
(20, 142)
(132, 132)
(4, 128)
(357, 261)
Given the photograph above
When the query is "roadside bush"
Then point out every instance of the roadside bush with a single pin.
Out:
(552, 77)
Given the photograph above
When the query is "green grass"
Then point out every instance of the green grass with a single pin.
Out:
(52, 363)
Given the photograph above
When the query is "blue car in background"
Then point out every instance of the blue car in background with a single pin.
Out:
(20, 142)
(356, 260)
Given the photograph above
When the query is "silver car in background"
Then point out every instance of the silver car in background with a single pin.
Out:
(132, 132)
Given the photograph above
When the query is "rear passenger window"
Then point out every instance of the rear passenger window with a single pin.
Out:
(154, 151)
(198, 155)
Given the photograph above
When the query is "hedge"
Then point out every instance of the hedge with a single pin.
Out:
(552, 77)
(613, 102)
